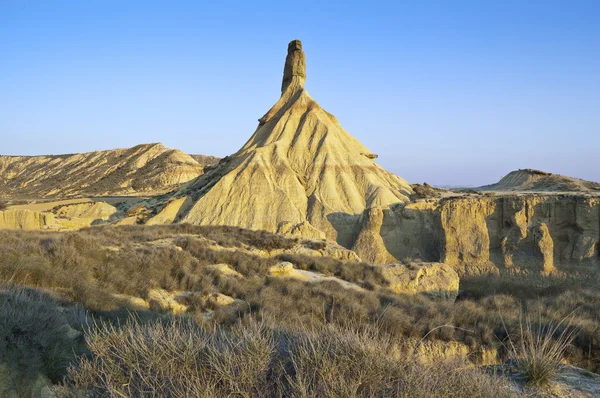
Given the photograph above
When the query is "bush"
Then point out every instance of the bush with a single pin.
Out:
(3, 205)
(35, 336)
(254, 359)
(541, 348)
(96, 265)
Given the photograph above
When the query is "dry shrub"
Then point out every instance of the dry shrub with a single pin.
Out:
(540, 348)
(91, 265)
(179, 359)
(35, 336)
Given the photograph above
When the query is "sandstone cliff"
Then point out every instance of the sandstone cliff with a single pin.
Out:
(143, 169)
(299, 170)
(484, 234)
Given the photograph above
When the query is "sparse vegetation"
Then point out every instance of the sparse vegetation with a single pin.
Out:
(36, 337)
(100, 267)
(257, 360)
(541, 348)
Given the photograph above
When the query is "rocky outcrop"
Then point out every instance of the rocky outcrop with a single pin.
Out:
(303, 229)
(483, 234)
(143, 169)
(386, 234)
(295, 65)
(545, 246)
(91, 210)
(300, 172)
(63, 218)
(169, 212)
(436, 280)
(27, 219)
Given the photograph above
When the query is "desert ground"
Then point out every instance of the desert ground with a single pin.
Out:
(294, 267)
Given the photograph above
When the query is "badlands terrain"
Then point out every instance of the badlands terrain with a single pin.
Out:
(286, 267)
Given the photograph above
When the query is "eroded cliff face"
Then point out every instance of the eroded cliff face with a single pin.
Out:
(484, 234)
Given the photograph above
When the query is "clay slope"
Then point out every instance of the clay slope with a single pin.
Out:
(536, 180)
(141, 170)
(299, 172)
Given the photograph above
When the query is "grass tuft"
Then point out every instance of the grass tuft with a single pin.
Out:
(541, 348)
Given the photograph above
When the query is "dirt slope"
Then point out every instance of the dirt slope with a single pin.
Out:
(300, 167)
(536, 180)
(144, 169)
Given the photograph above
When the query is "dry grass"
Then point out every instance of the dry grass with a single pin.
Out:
(34, 333)
(254, 359)
(91, 265)
(540, 348)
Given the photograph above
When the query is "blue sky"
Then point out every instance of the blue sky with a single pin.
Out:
(448, 92)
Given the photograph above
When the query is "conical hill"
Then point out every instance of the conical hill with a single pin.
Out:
(299, 172)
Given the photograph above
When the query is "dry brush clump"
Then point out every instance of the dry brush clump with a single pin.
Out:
(255, 359)
(37, 337)
(540, 347)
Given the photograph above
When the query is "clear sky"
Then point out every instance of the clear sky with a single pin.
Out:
(449, 92)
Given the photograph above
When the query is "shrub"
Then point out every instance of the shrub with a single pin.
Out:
(541, 348)
(254, 359)
(3, 205)
(35, 336)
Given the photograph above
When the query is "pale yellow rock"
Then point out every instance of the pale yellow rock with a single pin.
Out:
(143, 169)
(404, 232)
(299, 166)
(88, 210)
(465, 237)
(132, 302)
(168, 214)
(436, 280)
(223, 269)
(282, 268)
(303, 229)
(370, 242)
(484, 234)
(27, 219)
(287, 270)
(163, 300)
(220, 299)
(545, 245)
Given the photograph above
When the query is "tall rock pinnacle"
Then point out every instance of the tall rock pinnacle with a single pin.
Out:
(295, 65)
(299, 171)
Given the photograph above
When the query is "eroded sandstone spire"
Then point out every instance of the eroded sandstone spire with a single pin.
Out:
(300, 171)
(295, 65)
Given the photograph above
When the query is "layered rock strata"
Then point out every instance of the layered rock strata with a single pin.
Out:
(300, 172)
(484, 234)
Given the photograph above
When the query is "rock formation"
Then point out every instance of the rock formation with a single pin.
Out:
(484, 234)
(436, 280)
(144, 169)
(540, 181)
(26, 219)
(300, 170)
(60, 218)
